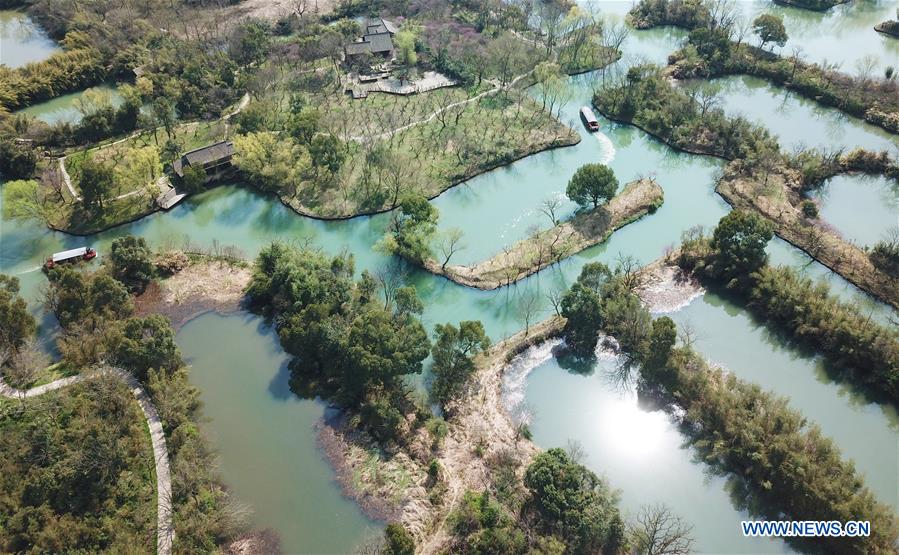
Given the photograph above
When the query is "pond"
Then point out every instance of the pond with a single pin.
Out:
(22, 41)
(640, 453)
(265, 436)
(844, 198)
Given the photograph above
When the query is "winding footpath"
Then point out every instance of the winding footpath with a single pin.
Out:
(165, 531)
(67, 179)
(497, 88)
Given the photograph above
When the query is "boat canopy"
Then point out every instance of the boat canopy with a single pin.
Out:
(588, 115)
(66, 255)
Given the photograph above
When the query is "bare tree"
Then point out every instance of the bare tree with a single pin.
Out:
(390, 277)
(549, 208)
(528, 307)
(450, 243)
(658, 531)
(554, 296)
(688, 334)
(629, 269)
(575, 451)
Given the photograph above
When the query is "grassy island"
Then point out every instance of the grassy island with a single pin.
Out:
(333, 131)
(758, 178)
(814, 5)
(715, 48)
(889, 27)
(553, 245)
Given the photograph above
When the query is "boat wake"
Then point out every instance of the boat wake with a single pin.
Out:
(29, 270)
(607, 148)
(515, 378)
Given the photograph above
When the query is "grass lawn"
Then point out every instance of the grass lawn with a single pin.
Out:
(430, 158)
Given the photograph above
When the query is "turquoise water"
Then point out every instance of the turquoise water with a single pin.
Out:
(629, 445)
(844, 198)
(265, 436)
(264, 440)
(796, 121)
(65, 108)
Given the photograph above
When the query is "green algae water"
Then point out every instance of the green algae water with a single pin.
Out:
(65, 108)
(265, 436)
(264, 440)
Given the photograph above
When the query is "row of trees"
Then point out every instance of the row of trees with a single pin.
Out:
(79, 65)
(716, 47)
(92, 472)
(734, 257)
(692, 122)
(786, 468)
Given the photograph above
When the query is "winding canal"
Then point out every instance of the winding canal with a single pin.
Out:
(265, 435)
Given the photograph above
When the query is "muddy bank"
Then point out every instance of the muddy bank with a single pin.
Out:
(386, 486)
(201, 286)
(666, 287)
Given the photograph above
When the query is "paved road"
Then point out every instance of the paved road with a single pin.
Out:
(165, 531)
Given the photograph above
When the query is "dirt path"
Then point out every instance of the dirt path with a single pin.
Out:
(435, 113)
(244, 100)
(165, 531)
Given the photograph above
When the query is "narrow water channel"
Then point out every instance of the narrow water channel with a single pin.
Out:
(265, 435)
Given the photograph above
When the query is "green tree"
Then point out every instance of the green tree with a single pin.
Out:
(270, 162)
(739, 242)
(412, 228)
(130, 262)
(592, 183)
(17, 160)
(304, 124)
(23, 199)
(582, 308)
(16, 323)
(453, 353)
(251, 42)
(482, 526)
(194, 179)
(78, 296)
(138, 168)
(381, 349)
(397, 540)
(327, 152)
(770, 28)
(96, 182)
(405, 50)
(661, 341)
(574, 503)
(148, 343)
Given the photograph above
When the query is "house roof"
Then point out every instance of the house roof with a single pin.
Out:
(203, 155)
(373, 44)
(380, 42)
(380, 25)
(361, 47)
(210, 153)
